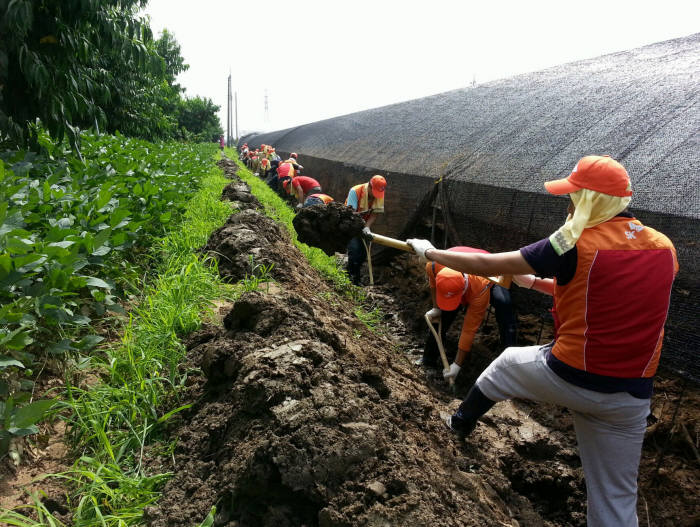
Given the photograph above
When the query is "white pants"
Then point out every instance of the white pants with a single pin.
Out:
(609, 429)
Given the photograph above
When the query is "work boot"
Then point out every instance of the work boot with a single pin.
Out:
(459, 426)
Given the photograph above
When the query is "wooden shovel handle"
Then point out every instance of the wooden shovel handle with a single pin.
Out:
(503, 281)
(438, 339)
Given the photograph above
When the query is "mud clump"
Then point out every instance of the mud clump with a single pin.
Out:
(229, 166)
(329, 227)
(238, 192)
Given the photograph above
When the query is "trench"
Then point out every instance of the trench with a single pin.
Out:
(304, 417)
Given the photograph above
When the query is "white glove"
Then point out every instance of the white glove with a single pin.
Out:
(298, 206)
(434, 314)
(451, 372)
(367, 234)
(420, 246)
(524, 280)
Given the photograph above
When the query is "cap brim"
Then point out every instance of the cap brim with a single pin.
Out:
(448, 304)
(561, 186)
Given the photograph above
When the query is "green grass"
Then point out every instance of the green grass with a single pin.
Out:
(111, 423)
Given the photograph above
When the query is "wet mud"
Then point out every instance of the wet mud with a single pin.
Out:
(329, 227)
(303, 416)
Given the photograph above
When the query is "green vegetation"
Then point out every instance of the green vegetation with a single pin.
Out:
(79, 64)
(112, 422)
(72, 232)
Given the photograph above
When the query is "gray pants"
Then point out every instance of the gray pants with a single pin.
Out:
(609, 429)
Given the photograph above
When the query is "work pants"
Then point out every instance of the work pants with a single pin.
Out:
(609, 428)
(357, 254)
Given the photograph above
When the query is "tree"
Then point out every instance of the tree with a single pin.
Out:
(198, 119)
(70, 63)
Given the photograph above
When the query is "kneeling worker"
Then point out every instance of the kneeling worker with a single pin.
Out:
(450, 289)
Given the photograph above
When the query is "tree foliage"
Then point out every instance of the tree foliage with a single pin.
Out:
(198, 119)
(68, 63)
(79, 64)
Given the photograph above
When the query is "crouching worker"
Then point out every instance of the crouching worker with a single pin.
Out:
(450, 290)
(303, 186)
(317, 199)
(612, 286)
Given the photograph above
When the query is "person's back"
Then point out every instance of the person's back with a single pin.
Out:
(612, 312)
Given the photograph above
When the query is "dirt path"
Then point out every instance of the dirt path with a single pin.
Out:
(302, 416)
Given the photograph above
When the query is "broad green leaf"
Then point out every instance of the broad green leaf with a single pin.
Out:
(32, 413)
(6, 362)
(98, 282)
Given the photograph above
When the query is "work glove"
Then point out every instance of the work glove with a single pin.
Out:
(298, 206)
(420, 246)
(451, 372)
(524, 280)
(434, 314)
(367, 234)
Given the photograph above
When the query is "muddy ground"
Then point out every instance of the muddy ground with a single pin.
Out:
(302, 416)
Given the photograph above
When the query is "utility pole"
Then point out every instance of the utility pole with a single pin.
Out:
(229, 123)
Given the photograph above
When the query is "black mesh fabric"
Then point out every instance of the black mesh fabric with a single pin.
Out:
(467, 167)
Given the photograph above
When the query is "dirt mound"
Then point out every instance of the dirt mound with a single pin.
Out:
(251, 244)
(239, 193)
(229, 166)
(329, 227)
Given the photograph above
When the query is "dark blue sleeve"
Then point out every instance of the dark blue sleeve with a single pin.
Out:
(548, 264)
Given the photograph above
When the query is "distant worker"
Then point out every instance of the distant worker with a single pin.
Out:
(221, 142)
(366, 199)
(293, 159)
(449, 290)
(612, 287)
(302, 186)
(317, 199)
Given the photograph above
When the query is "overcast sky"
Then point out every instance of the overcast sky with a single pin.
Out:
(317, 59)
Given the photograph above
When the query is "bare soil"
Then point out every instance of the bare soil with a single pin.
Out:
(303, 416)
(329, 227)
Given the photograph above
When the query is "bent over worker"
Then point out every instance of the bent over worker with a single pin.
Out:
(367, 199)
(612, 287)
(302, 186)
(317, 199)
(451, 289)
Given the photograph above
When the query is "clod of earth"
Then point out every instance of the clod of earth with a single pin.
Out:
(329, 227)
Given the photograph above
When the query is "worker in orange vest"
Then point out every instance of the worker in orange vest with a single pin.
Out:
(366, 199)
(612, 285)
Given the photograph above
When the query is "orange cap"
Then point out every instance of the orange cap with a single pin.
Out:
(378, 184)
(600, 173)
(449, 288)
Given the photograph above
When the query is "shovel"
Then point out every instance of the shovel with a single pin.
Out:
(503, 281)
(438, 338)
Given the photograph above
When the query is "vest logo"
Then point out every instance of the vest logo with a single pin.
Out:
(633, 229)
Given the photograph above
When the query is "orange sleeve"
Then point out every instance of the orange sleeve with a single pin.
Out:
(476, 310)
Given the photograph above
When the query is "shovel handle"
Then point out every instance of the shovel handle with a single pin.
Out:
(503, 281)
(438, 339)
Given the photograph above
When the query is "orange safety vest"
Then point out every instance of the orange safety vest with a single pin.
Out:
(323, 197)
(611, 314)
(362, 191)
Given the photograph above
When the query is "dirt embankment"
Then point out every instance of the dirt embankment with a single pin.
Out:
(303, 417)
